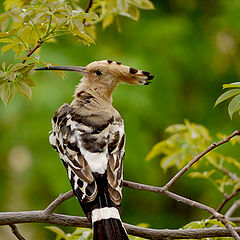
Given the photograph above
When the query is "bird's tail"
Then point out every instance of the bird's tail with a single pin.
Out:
(107, 224)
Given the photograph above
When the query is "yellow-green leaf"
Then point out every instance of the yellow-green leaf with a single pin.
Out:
(234, 105)
(18, 66)
(57, 230)
(227, 95)
(144, 4)
(4, 65)
(28, 81)
(23, 89)
(7, 93)
(6, 40)
(231, 85)
(78, 24)
(107, 21)
(7, 47)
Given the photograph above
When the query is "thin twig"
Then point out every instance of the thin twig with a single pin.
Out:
(61, 198)
(89, 6)
(234, 219)
(226, 199)
(16, 232)
(232, 209)
(87, 9)
(30, 52)
(199, 156)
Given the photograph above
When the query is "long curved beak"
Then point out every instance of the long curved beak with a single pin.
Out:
(65, 68)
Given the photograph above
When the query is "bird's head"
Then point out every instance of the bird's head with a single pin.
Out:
(109, 72)
(106, 74)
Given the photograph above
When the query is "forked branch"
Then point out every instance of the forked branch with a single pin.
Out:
(47, 215)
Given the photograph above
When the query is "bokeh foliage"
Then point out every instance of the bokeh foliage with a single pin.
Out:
(192, 49)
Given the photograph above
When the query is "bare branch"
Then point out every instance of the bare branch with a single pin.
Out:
(199, 156)
(234, 219)
(46, 216)
(187, 201)
(89, 6)
(232, 209)
(226, 199)
(7, 218)
(16, 232)
(61, 198)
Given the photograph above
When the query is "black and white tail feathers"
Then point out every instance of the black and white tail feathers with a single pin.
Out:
(107, 224)
(103, 213)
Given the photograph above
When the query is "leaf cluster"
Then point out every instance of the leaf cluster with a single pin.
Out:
(108, 11)
(184, 143)
(234, 93)
(27, 24)
(16, 78)
(207, 223)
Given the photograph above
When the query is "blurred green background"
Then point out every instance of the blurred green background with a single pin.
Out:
(192, 48)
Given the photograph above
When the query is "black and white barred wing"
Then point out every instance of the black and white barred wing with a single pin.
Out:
(116, 150)
(64, 138)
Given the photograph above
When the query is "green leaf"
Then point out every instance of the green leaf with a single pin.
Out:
(28, 81)
(7, 93)
(18, 66)
(133, 12)
(8, 47)
(2, 74)
(227, 95)
(156, 150)
(2, 82)
(107, 21)
(8, 34)
(23, 89)
(234, 105)
(214, 222)
(78, 24)
(144, 4)
(6, 40)
(231, 85)
(4, 65)
(83, 37)
(60, 233)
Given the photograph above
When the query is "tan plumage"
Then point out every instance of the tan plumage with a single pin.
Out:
(90, 139)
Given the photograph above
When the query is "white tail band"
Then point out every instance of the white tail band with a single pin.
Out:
(105, 213)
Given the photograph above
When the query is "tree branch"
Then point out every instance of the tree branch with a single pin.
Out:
(199, 156)
(7, 218)
(187, 201)
(16, 232)
(30, 52)
(47, 215)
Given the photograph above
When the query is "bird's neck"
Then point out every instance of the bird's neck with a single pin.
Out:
(98, 90)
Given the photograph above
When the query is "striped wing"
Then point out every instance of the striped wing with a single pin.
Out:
(85, 148)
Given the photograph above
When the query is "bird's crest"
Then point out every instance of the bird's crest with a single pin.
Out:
(124, 73)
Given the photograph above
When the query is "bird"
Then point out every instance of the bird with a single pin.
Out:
(89, 136)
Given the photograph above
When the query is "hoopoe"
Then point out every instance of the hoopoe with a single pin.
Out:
(89, 136)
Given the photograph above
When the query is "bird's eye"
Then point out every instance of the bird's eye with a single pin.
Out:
(98, 72)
